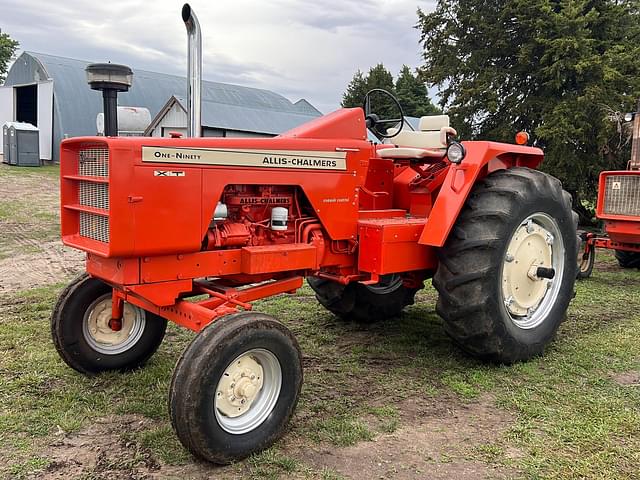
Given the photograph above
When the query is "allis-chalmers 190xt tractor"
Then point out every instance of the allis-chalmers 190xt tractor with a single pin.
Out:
(618, 207)
(233, 220)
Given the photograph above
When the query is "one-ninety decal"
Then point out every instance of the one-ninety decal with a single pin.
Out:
(168, 173)
(307, 159)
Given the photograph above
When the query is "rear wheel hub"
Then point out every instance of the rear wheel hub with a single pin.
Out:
(535, 247)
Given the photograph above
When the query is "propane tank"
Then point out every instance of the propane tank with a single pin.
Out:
(131, 121)
(279, 217)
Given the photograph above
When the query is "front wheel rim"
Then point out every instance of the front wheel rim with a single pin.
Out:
(247, 391)
(536, 242)
(586, 261)
(101, 337)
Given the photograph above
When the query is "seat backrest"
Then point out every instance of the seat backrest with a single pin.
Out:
(428, 137)
(433, 123)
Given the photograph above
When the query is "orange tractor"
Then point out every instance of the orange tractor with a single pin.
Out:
(618, 206)
(193, 230)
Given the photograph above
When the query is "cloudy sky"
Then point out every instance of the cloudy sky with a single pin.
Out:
(298, 48)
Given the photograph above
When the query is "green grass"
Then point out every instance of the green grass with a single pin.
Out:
(13, 171)
(570, 417)
(24, 468)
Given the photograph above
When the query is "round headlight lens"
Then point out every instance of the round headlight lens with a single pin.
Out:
(628, 116)
(456, 152)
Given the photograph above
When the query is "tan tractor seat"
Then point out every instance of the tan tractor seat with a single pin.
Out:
(429, 141)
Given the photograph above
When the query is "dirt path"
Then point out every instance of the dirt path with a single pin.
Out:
(433, 441)
(31, 253)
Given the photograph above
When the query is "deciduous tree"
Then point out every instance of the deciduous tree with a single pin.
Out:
(7, 49)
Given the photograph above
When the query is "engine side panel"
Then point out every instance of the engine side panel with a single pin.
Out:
(158, 196)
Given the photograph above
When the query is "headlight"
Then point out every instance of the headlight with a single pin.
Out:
(456, 152)
(629, 116)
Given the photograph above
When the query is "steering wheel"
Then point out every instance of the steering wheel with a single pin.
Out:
(374, 121)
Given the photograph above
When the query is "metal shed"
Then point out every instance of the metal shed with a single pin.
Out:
(51, 93)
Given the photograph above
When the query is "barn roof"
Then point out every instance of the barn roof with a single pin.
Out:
(248, 118)
(76, 105)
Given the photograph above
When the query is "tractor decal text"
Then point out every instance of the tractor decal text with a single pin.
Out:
(265, 200)
(167, 173)
(310, 159)
(299, 162)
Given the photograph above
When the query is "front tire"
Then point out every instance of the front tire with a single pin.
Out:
(627, 259)
(235, 387)
(83, 339)
(364, 303)
(495, 302)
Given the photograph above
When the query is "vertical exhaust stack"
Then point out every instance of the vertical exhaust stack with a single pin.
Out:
(194, 71)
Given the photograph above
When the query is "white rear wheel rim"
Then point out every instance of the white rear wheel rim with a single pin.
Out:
(101, 337)
(537, 242)
(247, 391)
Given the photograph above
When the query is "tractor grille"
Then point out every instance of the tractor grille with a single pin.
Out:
(94, 226)
(622, 195)
(94, 162)
(94, 195)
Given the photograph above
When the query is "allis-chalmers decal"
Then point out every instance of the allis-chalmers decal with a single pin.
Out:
(318, 160)
(261, 201)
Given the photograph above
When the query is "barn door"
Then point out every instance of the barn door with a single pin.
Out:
(45, 118)
(6, 108)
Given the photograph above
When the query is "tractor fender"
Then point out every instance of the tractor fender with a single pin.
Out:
(482, 158)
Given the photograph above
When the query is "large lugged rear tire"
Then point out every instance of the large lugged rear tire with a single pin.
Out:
(83, 339)
(235, 387)
(364, 303)
(628, 259)
(496, 302)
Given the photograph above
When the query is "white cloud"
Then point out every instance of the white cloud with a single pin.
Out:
(297, 48)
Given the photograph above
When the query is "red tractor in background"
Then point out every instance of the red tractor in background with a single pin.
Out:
(193, 230)
(618, 207)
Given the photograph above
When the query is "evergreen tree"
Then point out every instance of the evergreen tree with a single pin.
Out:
(378, 77)
(410, 91)
(356, 90)
(382, 105)
(556, 69)
(412, 94)
(7, 49)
